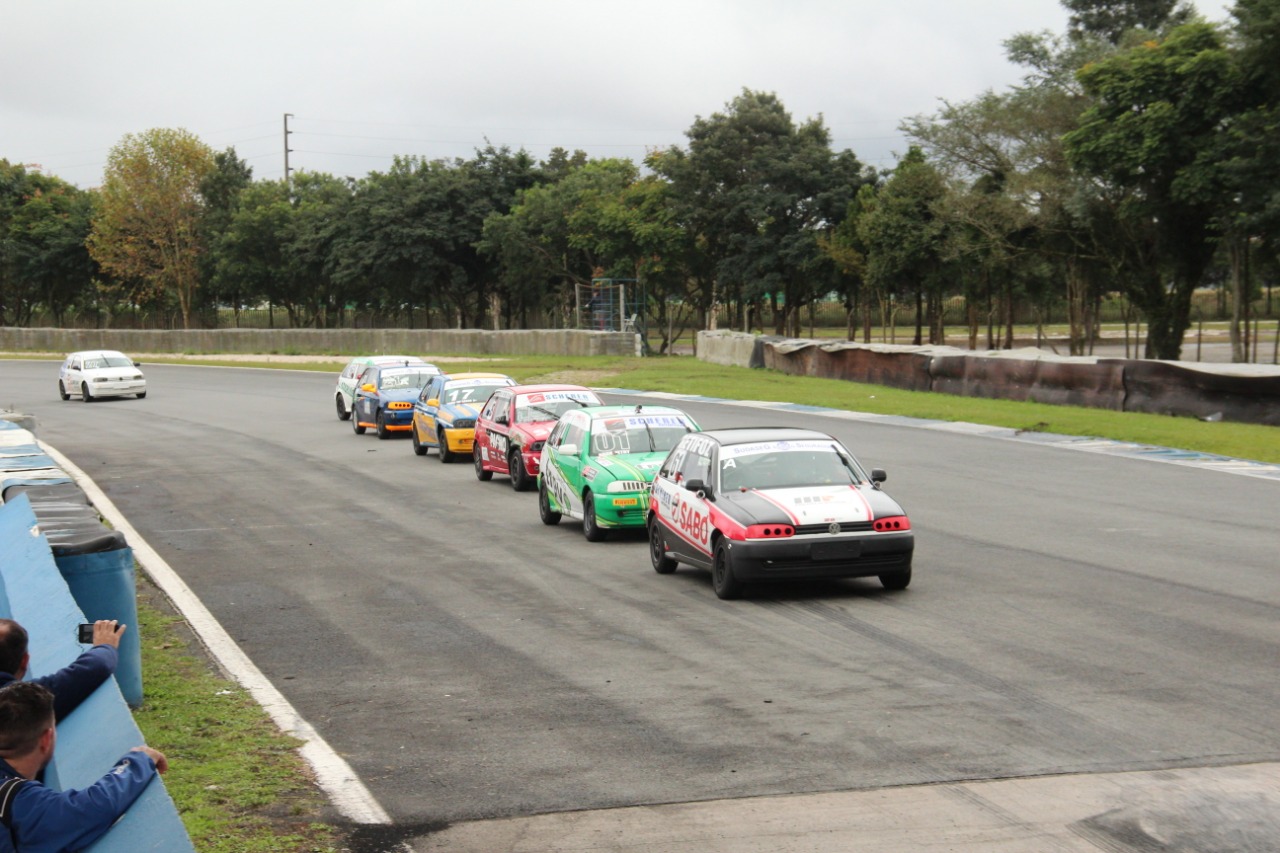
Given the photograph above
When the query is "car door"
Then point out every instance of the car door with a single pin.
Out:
(424, 412)
(364, 403)
(72, 373)
(562, 464)
(491, 431)
(685, 511)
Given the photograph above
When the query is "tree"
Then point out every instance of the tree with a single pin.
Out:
(147, 229)
(1111, 20)
(1150, 135)
(221, 190)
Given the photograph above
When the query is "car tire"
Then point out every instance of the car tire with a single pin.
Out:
(726, 585)
(662, 564)
(355, 421)
(548, 515)
(446, 455)
(142, 395)
(344, 413)
(515, 466)
(62, 391)
(84, 392)
(590, 524)
(383, 432)
(419, 448)
(896, 580)
(483, 474)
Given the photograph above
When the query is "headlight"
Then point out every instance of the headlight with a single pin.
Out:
(464, 423)
(536, 447)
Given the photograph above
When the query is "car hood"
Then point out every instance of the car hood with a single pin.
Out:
(627, 466)
(399, 395)
(808, 505)
(533, 431)
(112, 373)
(462, 410)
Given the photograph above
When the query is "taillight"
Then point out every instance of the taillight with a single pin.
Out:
(892, 523)
(770, 531)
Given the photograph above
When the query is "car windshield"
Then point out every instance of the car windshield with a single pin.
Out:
(98, 362)
(403, 379)
(784, 465)
(637, 434)
(551, 405)
(469, 393)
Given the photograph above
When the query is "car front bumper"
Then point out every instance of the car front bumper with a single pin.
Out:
(117, 388)
(822, 556)
(627, 509)
(460, 440)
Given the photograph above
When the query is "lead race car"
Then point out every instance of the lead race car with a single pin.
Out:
(757, 504)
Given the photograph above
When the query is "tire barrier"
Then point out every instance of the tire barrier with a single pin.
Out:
(1246, 393)
(96, 563)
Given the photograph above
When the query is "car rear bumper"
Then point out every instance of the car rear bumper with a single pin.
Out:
(822, 557)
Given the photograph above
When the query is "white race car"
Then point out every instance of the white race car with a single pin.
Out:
(100, 373)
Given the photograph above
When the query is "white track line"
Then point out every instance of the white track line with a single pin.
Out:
(333, 774)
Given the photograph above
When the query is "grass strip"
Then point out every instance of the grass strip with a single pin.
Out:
(237, 781)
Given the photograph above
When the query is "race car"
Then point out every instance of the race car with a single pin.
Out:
(100, 373)
(444, 417)
(344, 393)
(514, 425)
(598, 462)
(773, 503)
(384, 396)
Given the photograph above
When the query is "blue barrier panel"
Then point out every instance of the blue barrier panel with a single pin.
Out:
(96, 734)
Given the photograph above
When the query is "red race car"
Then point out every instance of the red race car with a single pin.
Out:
(514, 424)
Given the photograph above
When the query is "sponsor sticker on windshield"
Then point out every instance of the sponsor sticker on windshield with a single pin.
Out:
(776, 447)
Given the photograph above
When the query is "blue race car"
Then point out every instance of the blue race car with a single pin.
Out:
(384, 395)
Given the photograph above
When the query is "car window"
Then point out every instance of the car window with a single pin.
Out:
(469, 393)
(783, 465)
(402, 379)
(557, 434)
(574, 434)
(638, 434)
(551, 405)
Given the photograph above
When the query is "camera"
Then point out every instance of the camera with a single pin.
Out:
(85, 633)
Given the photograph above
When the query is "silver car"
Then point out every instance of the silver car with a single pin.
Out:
(100, 373)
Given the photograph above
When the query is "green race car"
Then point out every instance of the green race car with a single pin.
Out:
(598, 463)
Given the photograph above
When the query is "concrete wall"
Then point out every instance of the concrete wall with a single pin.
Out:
(321, 341)
(1231, 392)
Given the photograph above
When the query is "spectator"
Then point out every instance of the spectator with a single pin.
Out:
(40, 820)
(72, 684)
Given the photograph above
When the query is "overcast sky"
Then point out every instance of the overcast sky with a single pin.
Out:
(369, 80)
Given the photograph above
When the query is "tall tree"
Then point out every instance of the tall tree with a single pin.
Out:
(221, 190)
(1111, 20)
(147, 228)
(1151, 135)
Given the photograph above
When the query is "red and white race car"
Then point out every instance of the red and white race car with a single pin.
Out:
(767, 504)
(514, 425)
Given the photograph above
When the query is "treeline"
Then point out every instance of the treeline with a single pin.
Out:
(1139, 156)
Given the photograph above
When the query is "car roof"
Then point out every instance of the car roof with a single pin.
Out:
(598, 412)
(752, 435)
(85, 353)
(542, 389)
(450, 376)
(380, 360)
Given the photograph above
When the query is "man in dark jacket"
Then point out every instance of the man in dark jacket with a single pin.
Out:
(72, 684)
(36, 819)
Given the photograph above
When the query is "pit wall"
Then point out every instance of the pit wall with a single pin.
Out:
(576, 342)
(1230, 392)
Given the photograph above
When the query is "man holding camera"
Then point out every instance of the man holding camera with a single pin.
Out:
(72, 684)
(37, 819)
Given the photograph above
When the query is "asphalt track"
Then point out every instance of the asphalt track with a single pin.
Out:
(1073, 616)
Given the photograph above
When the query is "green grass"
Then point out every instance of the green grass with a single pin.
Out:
(237, 781)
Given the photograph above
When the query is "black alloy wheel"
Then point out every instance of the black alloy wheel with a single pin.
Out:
(548, 515)
(662, 564)
(722, 578)
(515, 467)
(590, 524)
(482, 474)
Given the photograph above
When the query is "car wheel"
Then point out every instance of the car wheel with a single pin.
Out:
(662, 564)
(548, 515)
(383, 432)
(515, 466)
(590, 525)
(896, 580)
(722, 578)
(142, 395)
(446, 455)
(62, 391)
(84, 392)
(355, 422)
(482, 473)
(343, 412)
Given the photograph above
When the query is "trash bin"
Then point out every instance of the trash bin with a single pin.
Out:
(102, 583)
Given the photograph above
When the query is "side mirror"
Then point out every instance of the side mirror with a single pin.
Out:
(137, 364)
(434, 402)
(567, 450)
(878, 475)
(699, 486)
(368, 389)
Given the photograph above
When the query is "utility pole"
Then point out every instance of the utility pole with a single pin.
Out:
(287, 149)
